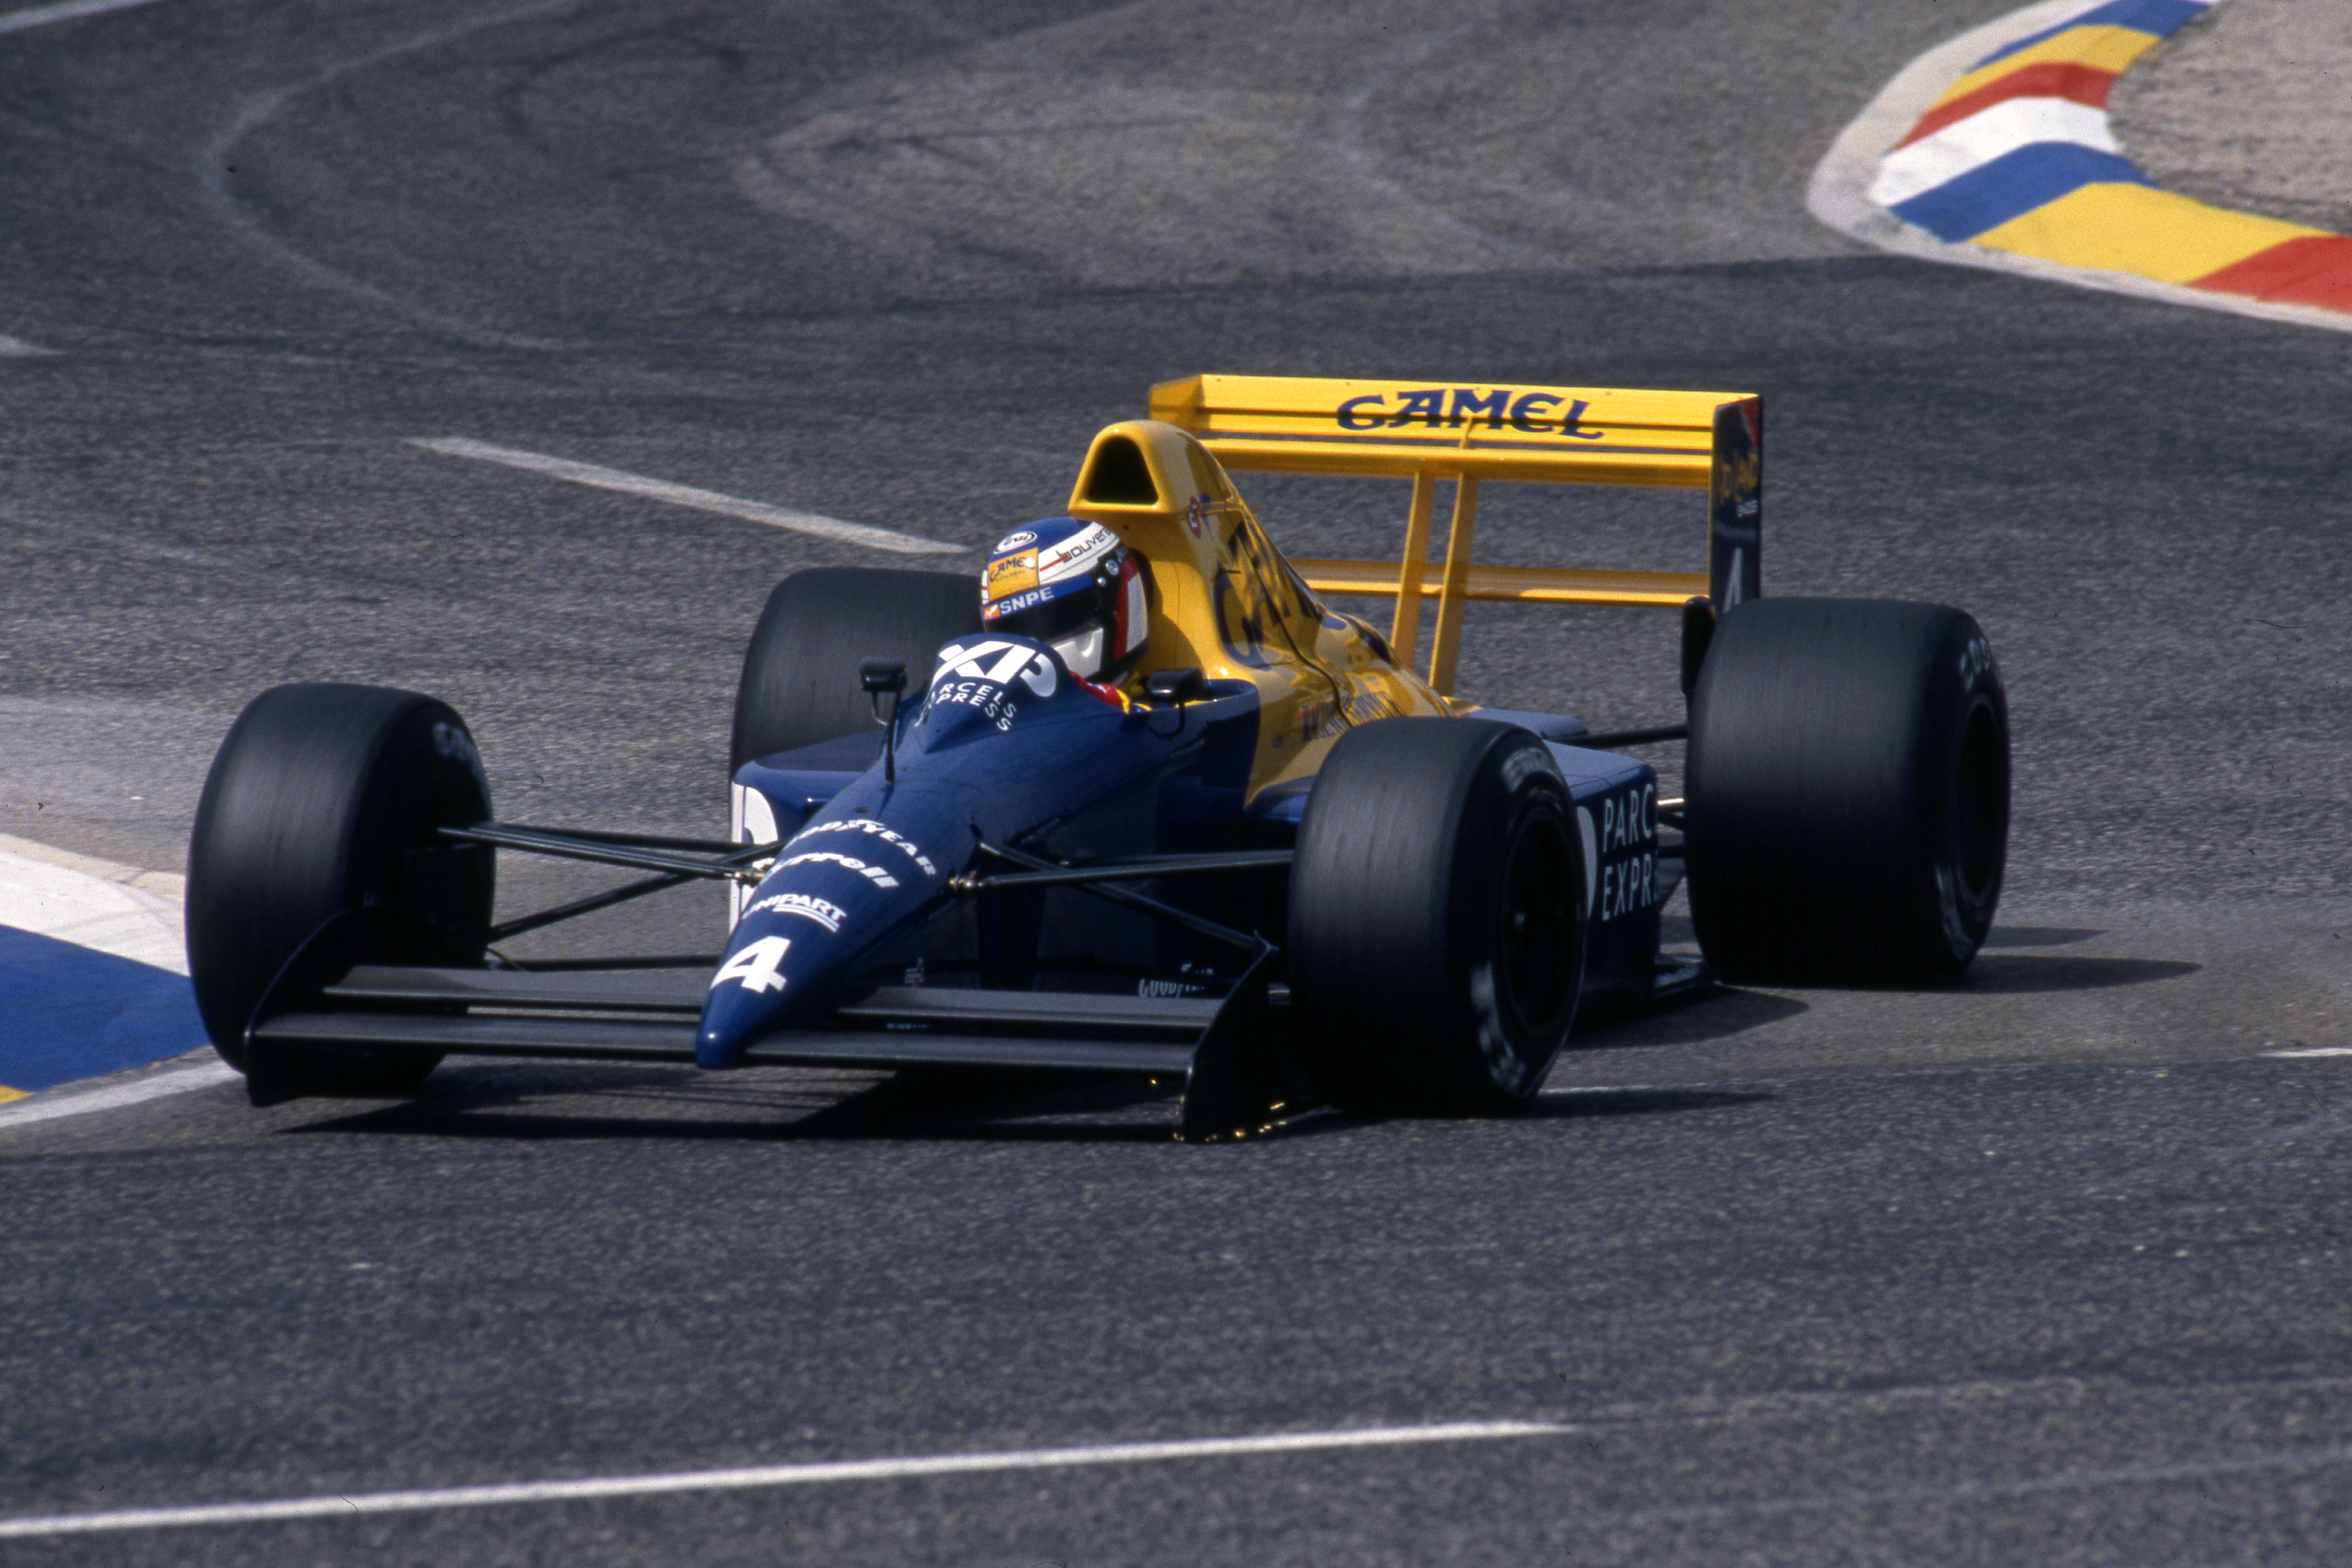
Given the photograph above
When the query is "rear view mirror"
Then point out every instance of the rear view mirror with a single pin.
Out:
(884, 678)
(1174, 685)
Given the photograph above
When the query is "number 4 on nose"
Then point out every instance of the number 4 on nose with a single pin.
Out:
(758, 966)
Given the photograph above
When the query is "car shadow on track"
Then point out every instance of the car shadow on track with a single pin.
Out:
(1720, 1013)
(962, 1105)
(2016, 973)
(911, 1107)
(466, 1101)
(2038, 936)
(1711, 1013)
(1576, 1104)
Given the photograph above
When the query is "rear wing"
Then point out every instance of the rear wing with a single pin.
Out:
(1711, 441)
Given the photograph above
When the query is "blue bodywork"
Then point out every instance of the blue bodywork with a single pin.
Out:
(1005, 748)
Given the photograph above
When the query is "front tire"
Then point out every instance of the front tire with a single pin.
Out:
(1848, 788)
(1437, 917)
(799, 684)
(325, 799)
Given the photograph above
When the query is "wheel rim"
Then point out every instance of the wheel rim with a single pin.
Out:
(1535, 925)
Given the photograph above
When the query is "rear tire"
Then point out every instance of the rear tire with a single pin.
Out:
(325, 798)
(1848, 788)
(1437, 917)
(799, 684)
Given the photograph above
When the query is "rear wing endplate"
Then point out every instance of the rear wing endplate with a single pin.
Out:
(1712, 441)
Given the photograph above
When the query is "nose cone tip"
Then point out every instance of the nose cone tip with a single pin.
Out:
(715, 1047)
(734, 1015)
(850, 884)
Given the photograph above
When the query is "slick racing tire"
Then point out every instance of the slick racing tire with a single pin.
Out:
(324, 799)
(1848, 792)
(800, 683)
(1437, 917)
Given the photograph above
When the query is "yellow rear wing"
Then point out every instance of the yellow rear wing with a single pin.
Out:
(1711, 441)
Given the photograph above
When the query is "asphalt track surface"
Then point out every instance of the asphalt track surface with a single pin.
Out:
(2052, 1267)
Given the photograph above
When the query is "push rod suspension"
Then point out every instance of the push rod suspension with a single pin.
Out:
(1131, 870)
(590, 905)
(733, 866)
(639, 840)
(1110, 890)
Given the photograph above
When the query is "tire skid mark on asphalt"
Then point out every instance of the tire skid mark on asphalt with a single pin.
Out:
(2253, 1151)
(690, 496)
(128, 542)
(2102, 1478)
(762, 1477)
(1818, 1405)
(216, 157)
(342, 577)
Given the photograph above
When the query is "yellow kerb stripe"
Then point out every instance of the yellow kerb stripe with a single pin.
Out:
(2139, 229)
(7, 1094)
(2101, 49)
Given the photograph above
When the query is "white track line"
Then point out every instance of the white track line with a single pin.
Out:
(200, 1070)
(2312, 1051)
(68, 11)
(685, 495)
(18, 348)
(763, 1476)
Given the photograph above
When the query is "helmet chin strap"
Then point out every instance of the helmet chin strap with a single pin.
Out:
(1083, 652)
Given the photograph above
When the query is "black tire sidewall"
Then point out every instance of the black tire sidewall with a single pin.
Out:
(1970, 860)
(324, 798)
(1829, 760)
(799, 681)
(1396, 892)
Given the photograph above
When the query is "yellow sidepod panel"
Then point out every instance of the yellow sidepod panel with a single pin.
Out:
(1223, 597)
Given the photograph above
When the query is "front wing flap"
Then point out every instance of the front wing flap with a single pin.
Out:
(1228, 1050)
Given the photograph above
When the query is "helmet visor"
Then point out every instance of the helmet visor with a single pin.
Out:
(1085, 603)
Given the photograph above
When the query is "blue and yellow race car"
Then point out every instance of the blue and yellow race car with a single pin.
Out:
(1261, 852)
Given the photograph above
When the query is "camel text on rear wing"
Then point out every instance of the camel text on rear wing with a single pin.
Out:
(1425, 432)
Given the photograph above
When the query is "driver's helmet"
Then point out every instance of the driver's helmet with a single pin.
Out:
(1072, 584)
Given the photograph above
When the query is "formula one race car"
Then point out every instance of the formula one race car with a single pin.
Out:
(1278, 864)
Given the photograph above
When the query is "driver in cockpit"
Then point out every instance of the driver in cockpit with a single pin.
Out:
(1076, 587)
